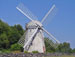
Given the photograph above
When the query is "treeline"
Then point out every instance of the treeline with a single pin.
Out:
(9, 36)
(61, 48)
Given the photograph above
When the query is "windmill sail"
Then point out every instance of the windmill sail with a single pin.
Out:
(49, 16)
(23, 9)
(22, 40)
(51, 43)
(54, 39)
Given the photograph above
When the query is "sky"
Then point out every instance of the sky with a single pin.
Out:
(62, 25)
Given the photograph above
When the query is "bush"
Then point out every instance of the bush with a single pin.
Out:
(0, 51)
(16, 47)
(5, 51)
(35, 52)
(16, 51)
(26, 52)
(49, 51)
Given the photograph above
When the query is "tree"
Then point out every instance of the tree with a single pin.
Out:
(49, 48)
(4, 43)
(9, 34)
(14, 36)
(4, 27)
(19, 28)
(73, 51)
(64, 48)
(15, 33)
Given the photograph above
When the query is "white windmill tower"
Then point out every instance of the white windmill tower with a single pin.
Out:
(33, 38)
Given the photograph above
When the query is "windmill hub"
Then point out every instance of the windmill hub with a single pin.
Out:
(33, 24)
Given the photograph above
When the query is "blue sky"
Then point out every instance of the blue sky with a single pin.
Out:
(62, 26)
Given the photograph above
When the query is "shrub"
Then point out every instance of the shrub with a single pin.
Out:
(26, 52)
(16, 51)
(35, 52)
(5, 51)
(16, 47)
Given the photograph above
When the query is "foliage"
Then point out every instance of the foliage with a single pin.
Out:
(73, 51)
(14, 36)
(16, 47)
(19, 28)
(26, 52)
(16, 51)
(49, 48)
(9, 35)
(35, 52)
(64, 48)
(4, 43)
(5, 51)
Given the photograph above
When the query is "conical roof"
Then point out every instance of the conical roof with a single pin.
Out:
(33, 24)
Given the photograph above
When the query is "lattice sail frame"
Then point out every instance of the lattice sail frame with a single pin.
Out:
(22, 40)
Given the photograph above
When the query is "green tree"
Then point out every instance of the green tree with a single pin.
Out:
(73, 50)
(19, 28)
(4, 43)
(9, 34)
(64, 48)
(4, 27)
(14, 36)
(49, 48)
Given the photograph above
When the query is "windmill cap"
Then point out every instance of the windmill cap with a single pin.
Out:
(33, 24)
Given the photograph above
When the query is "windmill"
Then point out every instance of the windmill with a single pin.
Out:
(33, 38)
